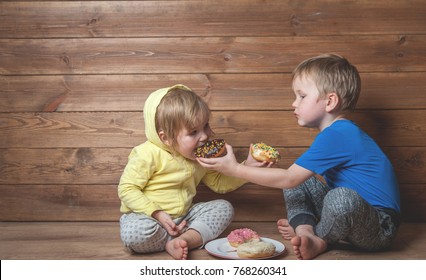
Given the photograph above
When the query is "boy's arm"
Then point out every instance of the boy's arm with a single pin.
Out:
(270, 177)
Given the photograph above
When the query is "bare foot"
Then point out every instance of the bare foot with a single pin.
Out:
(307, 247)
(285, 229)
(177, 248)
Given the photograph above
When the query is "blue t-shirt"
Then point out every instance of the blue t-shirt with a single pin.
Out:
(347, 157)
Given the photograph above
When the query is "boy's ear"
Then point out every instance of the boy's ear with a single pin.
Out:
(333, 102)
(163, 138)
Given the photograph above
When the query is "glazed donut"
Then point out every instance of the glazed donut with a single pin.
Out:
(255, 250)
(263, 152)
(211, 149)
(242, 235)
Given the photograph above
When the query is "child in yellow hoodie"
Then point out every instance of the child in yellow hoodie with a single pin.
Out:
(159, 182)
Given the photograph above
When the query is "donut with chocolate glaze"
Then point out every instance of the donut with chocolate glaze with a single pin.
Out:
(211, 149)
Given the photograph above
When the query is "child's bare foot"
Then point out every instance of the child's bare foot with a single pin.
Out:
(285, 229)
(308, 246)
(177, 248)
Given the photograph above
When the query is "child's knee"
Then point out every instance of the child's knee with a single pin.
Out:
(342, 200)
(153, 240)
(143, 235)
(225, 206)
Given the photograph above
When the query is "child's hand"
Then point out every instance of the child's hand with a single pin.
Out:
(167, 222)
(225, 164)
(250, 161)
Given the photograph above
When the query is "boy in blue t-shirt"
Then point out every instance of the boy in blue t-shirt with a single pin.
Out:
(359, 202)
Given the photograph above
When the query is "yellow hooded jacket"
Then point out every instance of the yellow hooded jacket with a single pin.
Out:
(155, 179)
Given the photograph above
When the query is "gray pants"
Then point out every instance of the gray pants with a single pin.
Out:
(340, 214)
(143, 234)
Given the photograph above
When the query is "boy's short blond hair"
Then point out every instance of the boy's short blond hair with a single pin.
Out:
(332, 73)
(180, 109)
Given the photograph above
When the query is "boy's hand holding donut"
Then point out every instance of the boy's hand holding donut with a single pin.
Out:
(225, 164)
(262, 152)
(251, 161)
(228, 163)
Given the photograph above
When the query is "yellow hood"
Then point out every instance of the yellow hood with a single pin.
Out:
(149, 110)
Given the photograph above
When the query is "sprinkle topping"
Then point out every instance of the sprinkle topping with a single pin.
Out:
(209, 149)
(243, 235)
(268, 150)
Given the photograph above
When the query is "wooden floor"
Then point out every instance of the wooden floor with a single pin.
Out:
(101, 241)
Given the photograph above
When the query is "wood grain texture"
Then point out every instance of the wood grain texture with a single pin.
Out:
(392, 53)
(240, 128)
(239, 92)
(105, 165)
(101, 241)
(71, 19)
(90, 203)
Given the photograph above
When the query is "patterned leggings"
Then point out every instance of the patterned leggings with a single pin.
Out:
(340, 214)
(143, 234)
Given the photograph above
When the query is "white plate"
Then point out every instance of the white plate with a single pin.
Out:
(222, 249)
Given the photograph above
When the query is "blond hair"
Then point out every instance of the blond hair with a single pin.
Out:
(180, 109)
(332, 73)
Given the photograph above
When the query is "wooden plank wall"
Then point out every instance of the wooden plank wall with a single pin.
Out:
(74, 76)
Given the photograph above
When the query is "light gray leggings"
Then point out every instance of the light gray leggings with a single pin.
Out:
(143, 234)
(340, 214)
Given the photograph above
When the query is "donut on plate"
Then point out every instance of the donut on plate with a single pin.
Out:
(241, 236)
(256, 250)
(211, 149)
(263, 152)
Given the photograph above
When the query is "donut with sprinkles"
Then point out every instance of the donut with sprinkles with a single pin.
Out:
(263, 152)
(211, 149)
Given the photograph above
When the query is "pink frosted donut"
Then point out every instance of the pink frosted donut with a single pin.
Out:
(242, 235)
